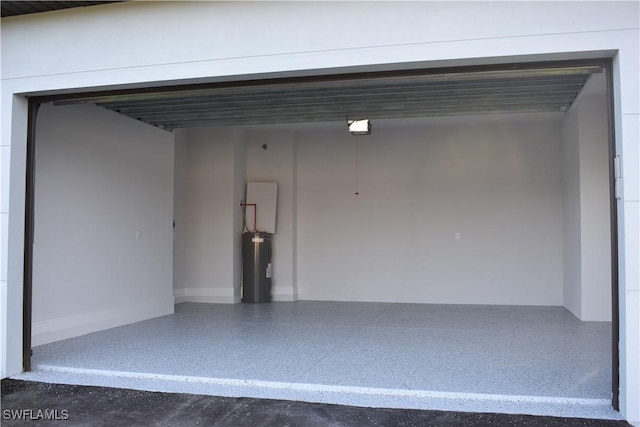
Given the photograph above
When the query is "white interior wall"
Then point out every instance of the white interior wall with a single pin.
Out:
(572, 262)
(180, 185)
(595, 209)
(103, 211)
(587, 234)
(211, 220)
(498, 184)
(276, 163)
(239, 187)
(218, 163)
(494, 180)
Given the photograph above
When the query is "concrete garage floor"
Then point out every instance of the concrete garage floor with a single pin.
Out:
(522, 360)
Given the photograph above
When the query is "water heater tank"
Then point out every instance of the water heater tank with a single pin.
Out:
(256, 267)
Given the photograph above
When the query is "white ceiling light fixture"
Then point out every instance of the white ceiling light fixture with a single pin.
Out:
(359, 127)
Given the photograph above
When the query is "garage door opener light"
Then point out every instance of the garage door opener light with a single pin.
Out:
(359, 127)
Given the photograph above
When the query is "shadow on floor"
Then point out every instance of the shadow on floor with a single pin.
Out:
(76, 405)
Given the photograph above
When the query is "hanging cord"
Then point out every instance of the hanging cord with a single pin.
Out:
(356, 192)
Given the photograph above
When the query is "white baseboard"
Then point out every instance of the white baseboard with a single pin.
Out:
(50, 330)
(227, 296)
(206, 295)
(284, 293)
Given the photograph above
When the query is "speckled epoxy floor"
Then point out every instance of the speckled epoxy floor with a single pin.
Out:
(539, 360)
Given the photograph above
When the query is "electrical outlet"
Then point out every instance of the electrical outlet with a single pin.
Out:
(457, 236)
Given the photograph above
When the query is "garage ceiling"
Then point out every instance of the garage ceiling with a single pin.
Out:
(332, 98)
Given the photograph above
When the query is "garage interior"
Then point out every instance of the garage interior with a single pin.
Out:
(472, 271)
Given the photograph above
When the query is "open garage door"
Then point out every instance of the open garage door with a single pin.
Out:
(386, 95)
(405, 104)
